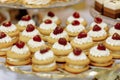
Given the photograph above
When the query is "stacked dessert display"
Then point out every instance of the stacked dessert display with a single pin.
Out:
(46, 46)
(74, 48)
(110, 8)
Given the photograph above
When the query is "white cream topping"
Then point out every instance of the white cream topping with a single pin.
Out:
(54, 19)
(8, 29)
(30, 34)
(76, 67)
(82, 56)
(45, 56)
(112, 42)
(25, 23)
(17, 50)
(102, 25)
(5, 49)
(35, 44)
(37, 2)
(85, 40)
(61, 47)
(47, 66)
(113, 30)
(97, 33)
(51, 26)
(100, 1)
(71, 19)
(112, 4)
(61, 35)
(6, 39)
(74, 29)
(99, 53)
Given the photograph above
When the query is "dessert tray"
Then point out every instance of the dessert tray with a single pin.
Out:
(108, 20)
(19, 5)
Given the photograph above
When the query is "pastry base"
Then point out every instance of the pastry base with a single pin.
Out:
(100, 59)
(77, 62)
(13, 55)
(83, 46)
(33, 50)
(113, 48)
(14, 34)
(102, 65)
(5, 45)
(24, 38)
(61, 59)
(116, 55)
(43, 62)
(61, 52)
(96, 39)
(73, 34)
(52, 41)
(19, 63)
(37, 69)
(45, 32)
(75, 71)
(21, 28)
(2, 53)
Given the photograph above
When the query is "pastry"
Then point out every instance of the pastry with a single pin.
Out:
(44, 61)
(36, 2)
(25, 20)
(35, 43)
(52, 17)
(97, 33)
(74, 28)
(47, 27)
(76, 16)
(29, 33)
(9, 29)
(111, 8)
(115, 29)
(59, 32)
(82, 41)
(100, 56)
(77, 61)
(113, 43)
(18, 55)
(61, 49)
(8, 1)
(5, 43)
(98, 21)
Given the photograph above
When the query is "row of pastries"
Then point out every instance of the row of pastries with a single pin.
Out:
(74, 45)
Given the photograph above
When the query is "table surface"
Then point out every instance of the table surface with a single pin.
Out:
(5, 74)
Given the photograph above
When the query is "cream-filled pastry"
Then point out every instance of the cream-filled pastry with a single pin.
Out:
(76, 16)
(44, 60)
(19, 54)
(50, 15)
(97, 33)
(29, 33)
(82, 41)
(25, 20)
(9, 29)
(61, 49)
(58, 32)
(100, 56)
(74, 28)
(47, 27)
(77, 61)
